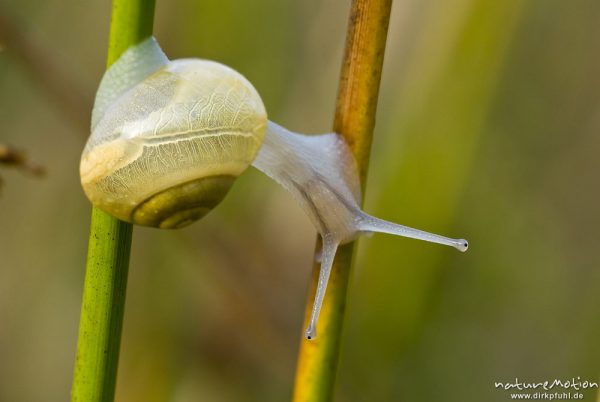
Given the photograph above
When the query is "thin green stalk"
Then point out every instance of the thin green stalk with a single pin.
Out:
(108, 251)
(355, 120)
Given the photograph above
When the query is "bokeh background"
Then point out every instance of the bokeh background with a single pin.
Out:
(488, 128)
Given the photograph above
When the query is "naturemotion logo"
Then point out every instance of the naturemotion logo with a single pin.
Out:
(563, 389)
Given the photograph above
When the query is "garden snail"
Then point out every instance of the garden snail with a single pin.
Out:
(170, 137)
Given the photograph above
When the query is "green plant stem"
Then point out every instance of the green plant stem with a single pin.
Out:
(131, 22)
(355, 120)
(108, 251)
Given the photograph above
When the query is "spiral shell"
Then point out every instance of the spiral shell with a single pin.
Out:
(167, 149)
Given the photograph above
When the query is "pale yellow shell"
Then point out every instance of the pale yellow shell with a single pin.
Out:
(165, 151)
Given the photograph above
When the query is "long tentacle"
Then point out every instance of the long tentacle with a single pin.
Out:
(368, 223)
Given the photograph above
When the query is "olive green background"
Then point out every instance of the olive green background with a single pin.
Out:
(488, 128)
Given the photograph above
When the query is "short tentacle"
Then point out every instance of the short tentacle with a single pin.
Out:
(329, 249)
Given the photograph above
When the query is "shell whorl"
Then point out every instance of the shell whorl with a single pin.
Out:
(166, 150)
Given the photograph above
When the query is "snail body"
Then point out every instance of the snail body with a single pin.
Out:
(170, 137)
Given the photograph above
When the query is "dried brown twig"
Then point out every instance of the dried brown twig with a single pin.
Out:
(17, 158)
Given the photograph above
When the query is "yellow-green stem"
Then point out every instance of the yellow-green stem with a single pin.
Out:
(108, 251)
(355, 120)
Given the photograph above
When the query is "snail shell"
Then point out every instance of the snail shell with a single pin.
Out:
(167, 150)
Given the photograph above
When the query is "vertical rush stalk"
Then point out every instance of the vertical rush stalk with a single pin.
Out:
(108, 251)
(354, 120)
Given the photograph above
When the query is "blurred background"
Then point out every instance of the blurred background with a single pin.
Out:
(487, 128)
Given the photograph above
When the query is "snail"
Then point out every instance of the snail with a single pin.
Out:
(170, 137)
